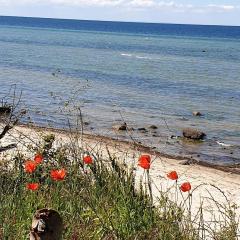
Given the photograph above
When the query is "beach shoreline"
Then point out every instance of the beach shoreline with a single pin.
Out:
(136, 146)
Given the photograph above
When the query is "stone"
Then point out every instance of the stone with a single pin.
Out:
(196, 113)
(183, 119)
(153, 127)
(47, 224)
(188, 162)
(142, 129)
(193, 134)
(120, 127)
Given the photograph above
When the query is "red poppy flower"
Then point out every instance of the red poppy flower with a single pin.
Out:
(144, 161)
(32, 186)
(186, 187)
(58, 175)
(30, 166)
(88, 160)
(172, 175)
(38, 158)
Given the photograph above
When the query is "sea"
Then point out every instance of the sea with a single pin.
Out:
(143, 74)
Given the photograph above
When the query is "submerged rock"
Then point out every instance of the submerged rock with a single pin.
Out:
(174, 137)
(193, 134)
(183, 119)
(142, 129)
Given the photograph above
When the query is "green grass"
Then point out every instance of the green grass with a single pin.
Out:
(101, 201)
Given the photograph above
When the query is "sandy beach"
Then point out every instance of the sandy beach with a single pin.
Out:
(207, 183)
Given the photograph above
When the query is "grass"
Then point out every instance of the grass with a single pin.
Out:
(97, 201)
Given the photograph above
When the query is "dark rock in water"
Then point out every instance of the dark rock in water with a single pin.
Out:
(183, 119)
(5, 110)
(23, 111)
(174, 137)
(196, 113)
(193, 134)
(121, 127)
(142, 130)
(153, 127)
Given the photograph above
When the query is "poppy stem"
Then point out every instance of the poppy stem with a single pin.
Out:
(176, 194)
(150, 187)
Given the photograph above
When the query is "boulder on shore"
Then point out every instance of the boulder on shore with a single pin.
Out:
(120, 127)
(193, 134)
(153, 127)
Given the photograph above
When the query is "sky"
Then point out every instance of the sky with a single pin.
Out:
(211, 12)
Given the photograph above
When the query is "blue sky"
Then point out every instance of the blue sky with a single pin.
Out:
(219, 12)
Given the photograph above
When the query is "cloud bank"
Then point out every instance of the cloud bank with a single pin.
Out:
(129, 4)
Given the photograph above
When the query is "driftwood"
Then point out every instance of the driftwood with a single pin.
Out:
(47, 224)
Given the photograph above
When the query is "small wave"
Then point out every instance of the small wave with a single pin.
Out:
(136, 56)
(224, 144)
(143, 57)
(126, 54)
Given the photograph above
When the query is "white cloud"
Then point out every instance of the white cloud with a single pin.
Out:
(62, 2)
(132, 4)
(222, 7)
(142, 3)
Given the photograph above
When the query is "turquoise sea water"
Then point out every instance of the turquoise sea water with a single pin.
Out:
(142, 73)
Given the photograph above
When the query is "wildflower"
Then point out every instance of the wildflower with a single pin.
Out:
(30, 166)
(172, 175)
(32, 186)
(38, 158)
(144, 161)
(58, 175)
(88, 160)
(186, 187)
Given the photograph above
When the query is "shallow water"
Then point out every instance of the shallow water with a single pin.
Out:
(139, 73)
